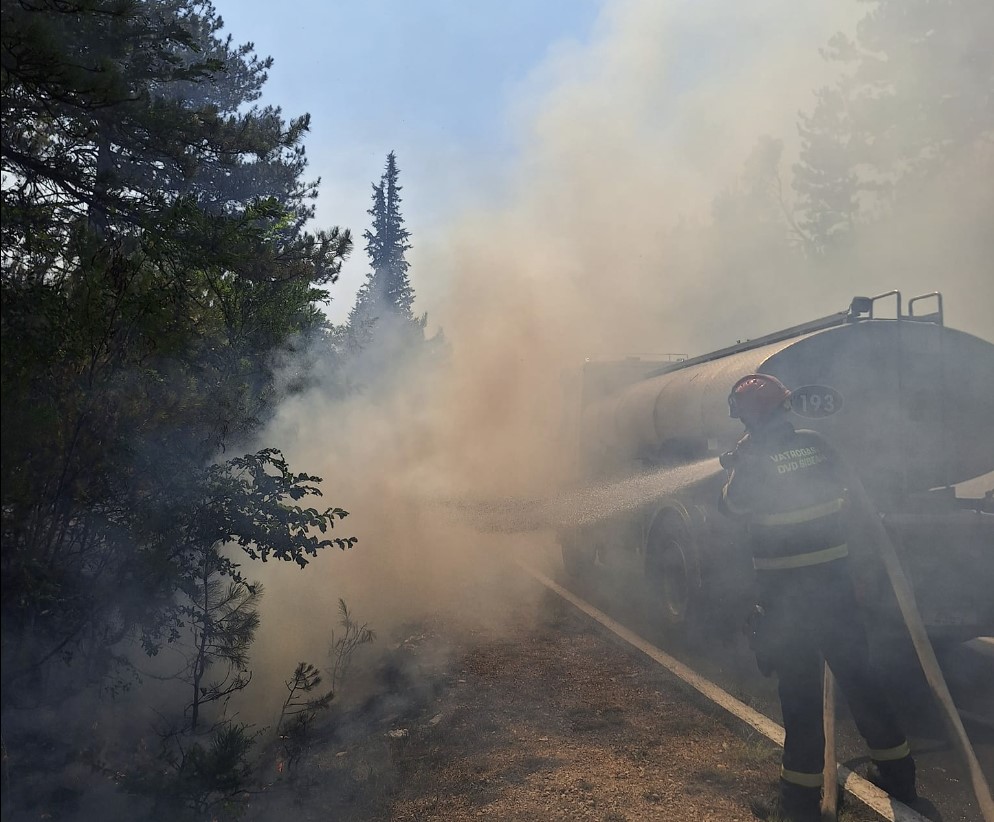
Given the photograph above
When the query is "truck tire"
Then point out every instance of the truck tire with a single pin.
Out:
(672, 574)
(578, 557)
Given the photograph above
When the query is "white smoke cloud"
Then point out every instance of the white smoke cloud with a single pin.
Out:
(598, 244)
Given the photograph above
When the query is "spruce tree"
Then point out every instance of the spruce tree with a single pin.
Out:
(387, 295)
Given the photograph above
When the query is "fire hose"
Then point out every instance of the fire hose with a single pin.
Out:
(923, 647)
(830, 795)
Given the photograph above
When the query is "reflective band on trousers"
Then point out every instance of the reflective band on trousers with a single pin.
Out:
(805, 780)
(823, 509)
(890, 754)
(800, 560)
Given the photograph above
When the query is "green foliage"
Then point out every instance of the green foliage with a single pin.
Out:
(222, 619)
(198, 780)
(154, 263)
(300, 708)
(343, 646)
(305, 699)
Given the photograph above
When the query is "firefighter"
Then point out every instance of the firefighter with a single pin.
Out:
(787, 486)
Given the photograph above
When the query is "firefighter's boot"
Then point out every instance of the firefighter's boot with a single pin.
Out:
(793, 803)
(897, 777)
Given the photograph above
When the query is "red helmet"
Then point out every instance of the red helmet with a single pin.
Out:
(757, 396)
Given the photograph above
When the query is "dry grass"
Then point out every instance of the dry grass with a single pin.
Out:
(548, 722)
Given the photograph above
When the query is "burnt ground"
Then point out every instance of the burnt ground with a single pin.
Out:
(548, 718)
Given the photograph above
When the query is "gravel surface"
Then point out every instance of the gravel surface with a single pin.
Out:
(548, 718)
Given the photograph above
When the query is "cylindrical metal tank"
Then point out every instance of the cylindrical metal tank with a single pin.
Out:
(916, 406)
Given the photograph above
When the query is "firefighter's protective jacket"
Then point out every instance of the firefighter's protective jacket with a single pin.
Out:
(788, 487)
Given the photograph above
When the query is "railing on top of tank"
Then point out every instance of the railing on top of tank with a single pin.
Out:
(863, 307)
(935, 316)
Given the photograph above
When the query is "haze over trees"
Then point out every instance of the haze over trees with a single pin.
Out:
(912, 105)
(888, 173)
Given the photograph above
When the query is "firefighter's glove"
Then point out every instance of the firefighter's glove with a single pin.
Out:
(759, 632)
(730, 459)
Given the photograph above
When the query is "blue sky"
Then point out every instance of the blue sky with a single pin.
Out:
(433, 80)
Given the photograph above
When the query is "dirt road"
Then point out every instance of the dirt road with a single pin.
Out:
(546, 719)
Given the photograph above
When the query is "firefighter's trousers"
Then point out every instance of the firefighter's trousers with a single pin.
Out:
(812, 615)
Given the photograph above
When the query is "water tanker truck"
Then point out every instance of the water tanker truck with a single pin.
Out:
(909, 403)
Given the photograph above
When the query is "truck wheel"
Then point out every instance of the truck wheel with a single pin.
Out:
(578, 558)
(672, 575)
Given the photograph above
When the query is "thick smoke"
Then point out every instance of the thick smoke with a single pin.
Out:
(627, 227)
